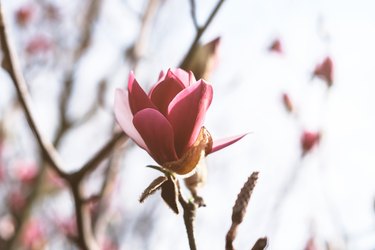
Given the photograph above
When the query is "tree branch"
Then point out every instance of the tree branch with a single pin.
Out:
(199, 34)
(194, 14)
(11, 65)
(190, 209)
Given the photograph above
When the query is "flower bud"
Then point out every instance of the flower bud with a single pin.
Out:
(287, 102)
(309, 140)
(324, 71)
(276, 46)
(204, 60)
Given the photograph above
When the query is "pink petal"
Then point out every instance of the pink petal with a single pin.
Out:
(124, 117)
(186, 114)
(163, 93)
(187, 78)
(157, 133)
(138, 99)
(222, 143)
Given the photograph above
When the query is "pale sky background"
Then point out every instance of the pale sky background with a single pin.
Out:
(334, 192)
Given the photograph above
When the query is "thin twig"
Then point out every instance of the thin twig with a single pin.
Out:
(85, 239)
(199, 34)
(190, 209)
(136, 50)
(101, 154)
(194, 14)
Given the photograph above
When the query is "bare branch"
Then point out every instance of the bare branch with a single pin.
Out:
(11, 65)
(194, 14)
(117, 138)
(199, 34)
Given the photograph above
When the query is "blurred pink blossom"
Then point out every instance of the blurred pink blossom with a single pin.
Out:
(167, 122)
(276, 46)
(16, 200)
(25, 171)
(38, 44)
(324, 71)
(308, 140)
(33, 237)
(25, 14)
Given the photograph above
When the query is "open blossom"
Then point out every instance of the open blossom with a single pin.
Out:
(324, 71)
(168, 122)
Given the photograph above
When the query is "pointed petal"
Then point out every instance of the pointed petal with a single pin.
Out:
(157, 133)
(187, 78)
(138, 99)
(223, 143)
(124, 117)
(186, 113)
(163, 93)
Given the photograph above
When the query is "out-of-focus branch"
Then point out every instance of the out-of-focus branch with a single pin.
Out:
(194, 14)
(137, 49)
(199, 34)
(86, 239)
(10, 64)
(87, 31)
(239, 209)
(103, 153)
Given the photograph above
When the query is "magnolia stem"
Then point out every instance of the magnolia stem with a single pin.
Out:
(190, 209)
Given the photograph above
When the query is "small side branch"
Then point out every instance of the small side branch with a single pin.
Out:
(194, 14)
(199, 34)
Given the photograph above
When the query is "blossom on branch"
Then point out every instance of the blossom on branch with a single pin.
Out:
(168, 122)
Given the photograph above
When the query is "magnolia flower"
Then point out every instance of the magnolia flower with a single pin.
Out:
(324, 71)
(168, 122)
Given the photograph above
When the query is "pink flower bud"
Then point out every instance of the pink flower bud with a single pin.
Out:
(168, 121)
(276, 47)
(287, 102)
(38, 44)
(324, 71)
(25, 14)
(309, 140)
